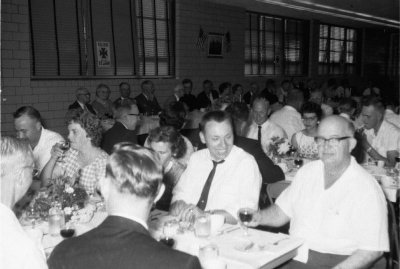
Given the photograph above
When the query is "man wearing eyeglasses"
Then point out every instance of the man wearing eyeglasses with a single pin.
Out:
(17, 167)
(335, 205)
(126, 118)
(82, 101)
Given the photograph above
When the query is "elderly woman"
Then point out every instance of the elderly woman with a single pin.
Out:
(303, 140)
(84, 161)
(103, 104)
(170, 146)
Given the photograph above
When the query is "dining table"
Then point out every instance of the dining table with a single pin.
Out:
(258, 249)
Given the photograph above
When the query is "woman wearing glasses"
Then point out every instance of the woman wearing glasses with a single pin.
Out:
(84, 160)
(303, 140)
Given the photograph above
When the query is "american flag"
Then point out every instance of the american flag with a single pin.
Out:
(201, 39)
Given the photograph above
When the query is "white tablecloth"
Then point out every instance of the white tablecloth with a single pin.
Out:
(264, 254)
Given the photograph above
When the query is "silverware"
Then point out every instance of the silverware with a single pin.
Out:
(280, 240)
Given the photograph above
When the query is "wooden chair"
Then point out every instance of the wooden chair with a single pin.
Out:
(275, 189)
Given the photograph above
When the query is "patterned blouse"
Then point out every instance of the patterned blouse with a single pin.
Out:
(89, 175)
(306, 145)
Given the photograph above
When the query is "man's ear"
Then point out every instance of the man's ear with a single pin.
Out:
(353, 143)
(202, 138)
(160, 192)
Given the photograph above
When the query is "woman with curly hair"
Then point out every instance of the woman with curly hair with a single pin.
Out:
(170, 146)
(85, 160)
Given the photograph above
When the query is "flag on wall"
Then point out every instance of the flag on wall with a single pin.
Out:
(201, 39)
(228, 41)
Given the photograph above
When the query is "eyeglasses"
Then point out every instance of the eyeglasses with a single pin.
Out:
(308, 119)
(333, 141)
(134, 114)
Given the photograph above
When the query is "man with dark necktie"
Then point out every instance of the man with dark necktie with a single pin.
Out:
(82, 101)
(221, 178)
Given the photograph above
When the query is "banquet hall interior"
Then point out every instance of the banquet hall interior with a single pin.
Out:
(166, 74)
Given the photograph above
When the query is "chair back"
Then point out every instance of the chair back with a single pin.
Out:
(392, 257)
(275, 189)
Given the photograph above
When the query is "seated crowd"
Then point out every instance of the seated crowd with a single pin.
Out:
(219, 167)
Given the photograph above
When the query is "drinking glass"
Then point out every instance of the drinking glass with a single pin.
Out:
(67, 230)
(65, 146)
(245, 215)
(202, 225)
(32, 216)
(298, 161)
(170, 229)
(209, 257)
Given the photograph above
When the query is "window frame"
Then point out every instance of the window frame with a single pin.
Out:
(304, 52)
(329, 65)
(90, 42)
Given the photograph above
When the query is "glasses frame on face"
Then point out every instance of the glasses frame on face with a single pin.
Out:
(309, 118)
(134, 114)
(333, 141)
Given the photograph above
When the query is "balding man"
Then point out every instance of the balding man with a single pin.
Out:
(133, 183)
(261, 128)
(123, 130)
(82, 101)
(336, 206)
(17, 250)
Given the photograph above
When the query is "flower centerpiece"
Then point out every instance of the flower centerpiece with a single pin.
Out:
(279, 147)
(71, 197)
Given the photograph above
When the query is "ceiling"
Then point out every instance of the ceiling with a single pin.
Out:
(357, 13)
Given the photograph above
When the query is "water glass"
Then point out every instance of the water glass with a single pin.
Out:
(209, 257)
(202, 225)
(56, 220)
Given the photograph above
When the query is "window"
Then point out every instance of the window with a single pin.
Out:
(337, 50)
(275, 46)
(85, 38)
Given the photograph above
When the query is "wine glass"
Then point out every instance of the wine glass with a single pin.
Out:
(67, 230)
(245, 216)
(65, 146)
(298, 161)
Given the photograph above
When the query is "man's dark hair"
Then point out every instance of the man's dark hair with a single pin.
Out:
(186, 81)
(146, 82)
(124, 83)
(311, 107)
(374, 101)
(29, 111)
(216, 115)
(224, 86)
(207, 82)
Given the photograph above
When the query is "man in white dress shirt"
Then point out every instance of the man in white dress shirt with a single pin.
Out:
(28, 125)
(288, 116)
(381, 139)
(335, 205)
(17, 250)
(221, 178)
(261, 128)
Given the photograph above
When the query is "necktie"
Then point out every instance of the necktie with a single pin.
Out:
(259, 134)
(206, 189)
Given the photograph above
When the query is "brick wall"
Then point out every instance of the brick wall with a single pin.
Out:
(52, 97)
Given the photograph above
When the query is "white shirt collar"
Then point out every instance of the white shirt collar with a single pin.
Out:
(82, 105)
(134, 218)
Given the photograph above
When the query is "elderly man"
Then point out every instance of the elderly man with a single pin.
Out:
(249, 96)
(381, 139)
(334, 204)
(146, 101)
(82, 101)
(288, 117)
(215, 177)
(28, 125)
(17, 250)
(208, 96)
(125, 92)
(122, 241)
(123, 130)
(261, 128)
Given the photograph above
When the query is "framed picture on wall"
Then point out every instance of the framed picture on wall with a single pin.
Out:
(215, 45)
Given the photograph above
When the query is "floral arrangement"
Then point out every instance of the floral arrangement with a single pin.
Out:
(279, 147)
(71, 198)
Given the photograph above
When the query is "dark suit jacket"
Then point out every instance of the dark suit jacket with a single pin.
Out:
(76, 105)
(117, 133)
(203, 101)
(190, 100)
(248, 98)
(118, 243)
(147, 107)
